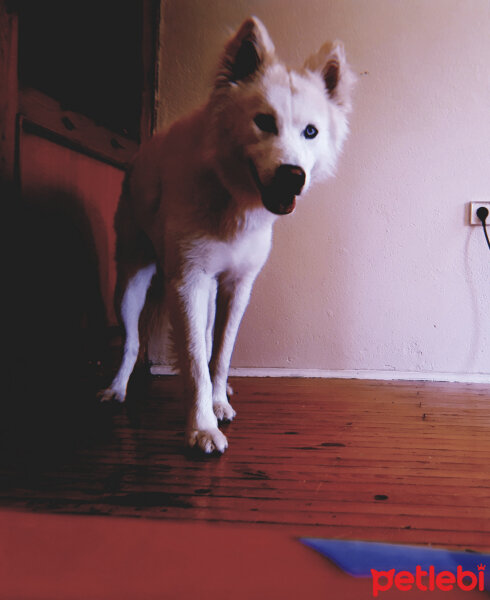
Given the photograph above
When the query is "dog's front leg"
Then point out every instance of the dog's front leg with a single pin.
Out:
(189, 298)
(233, 297)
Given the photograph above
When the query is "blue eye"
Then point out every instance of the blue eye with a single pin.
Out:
(310, 132)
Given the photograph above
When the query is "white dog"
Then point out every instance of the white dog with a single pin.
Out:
(200, 200)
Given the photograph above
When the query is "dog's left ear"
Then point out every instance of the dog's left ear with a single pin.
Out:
(337, 75)
(246, 53)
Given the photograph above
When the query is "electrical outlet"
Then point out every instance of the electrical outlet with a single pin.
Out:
(474, 206)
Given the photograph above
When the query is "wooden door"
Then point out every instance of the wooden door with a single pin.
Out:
(77, 98)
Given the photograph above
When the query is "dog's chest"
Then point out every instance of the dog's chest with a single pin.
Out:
(245, 254)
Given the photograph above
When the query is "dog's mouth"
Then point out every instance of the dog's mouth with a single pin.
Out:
(279, 197)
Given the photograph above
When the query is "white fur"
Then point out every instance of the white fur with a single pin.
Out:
(192, 197)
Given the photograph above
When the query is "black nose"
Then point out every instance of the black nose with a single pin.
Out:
(290, 178)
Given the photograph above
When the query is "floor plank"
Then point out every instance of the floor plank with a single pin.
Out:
(385, 461)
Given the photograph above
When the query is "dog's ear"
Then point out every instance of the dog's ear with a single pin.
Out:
(337, 75)
(249, 49)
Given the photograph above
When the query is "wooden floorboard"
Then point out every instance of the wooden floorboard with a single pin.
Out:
(347, 459)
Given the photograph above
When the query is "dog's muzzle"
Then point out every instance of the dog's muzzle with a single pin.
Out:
(280, 195)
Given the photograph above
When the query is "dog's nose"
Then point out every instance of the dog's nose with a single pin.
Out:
(291, 178)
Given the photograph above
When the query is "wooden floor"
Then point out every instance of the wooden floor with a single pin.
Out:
(393, 462)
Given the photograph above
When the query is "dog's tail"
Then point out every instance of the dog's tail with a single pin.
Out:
(133, 246)
(134, 249)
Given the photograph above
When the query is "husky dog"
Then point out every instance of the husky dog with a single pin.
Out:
(199, 202)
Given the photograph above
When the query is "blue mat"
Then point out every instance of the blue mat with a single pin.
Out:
(358, 558)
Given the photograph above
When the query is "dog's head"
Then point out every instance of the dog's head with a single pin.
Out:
(278, 130)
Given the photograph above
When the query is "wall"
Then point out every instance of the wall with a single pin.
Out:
(377, 271)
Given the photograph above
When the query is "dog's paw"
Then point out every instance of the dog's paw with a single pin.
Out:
(208, 440)
(223, 410)
(110, 394)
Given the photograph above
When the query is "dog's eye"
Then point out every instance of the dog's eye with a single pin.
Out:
(266, 123)
(310, 132)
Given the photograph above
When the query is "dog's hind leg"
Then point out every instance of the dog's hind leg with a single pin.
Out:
(132, 303)
(233, 298)
(210, 329)
(211, 317)
(136, 266)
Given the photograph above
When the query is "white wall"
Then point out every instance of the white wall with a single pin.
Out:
(377, 270)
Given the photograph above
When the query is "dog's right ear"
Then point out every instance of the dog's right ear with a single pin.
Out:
(246, 53)
(337, 76)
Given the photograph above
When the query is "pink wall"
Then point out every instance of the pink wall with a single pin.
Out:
(377, 271)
